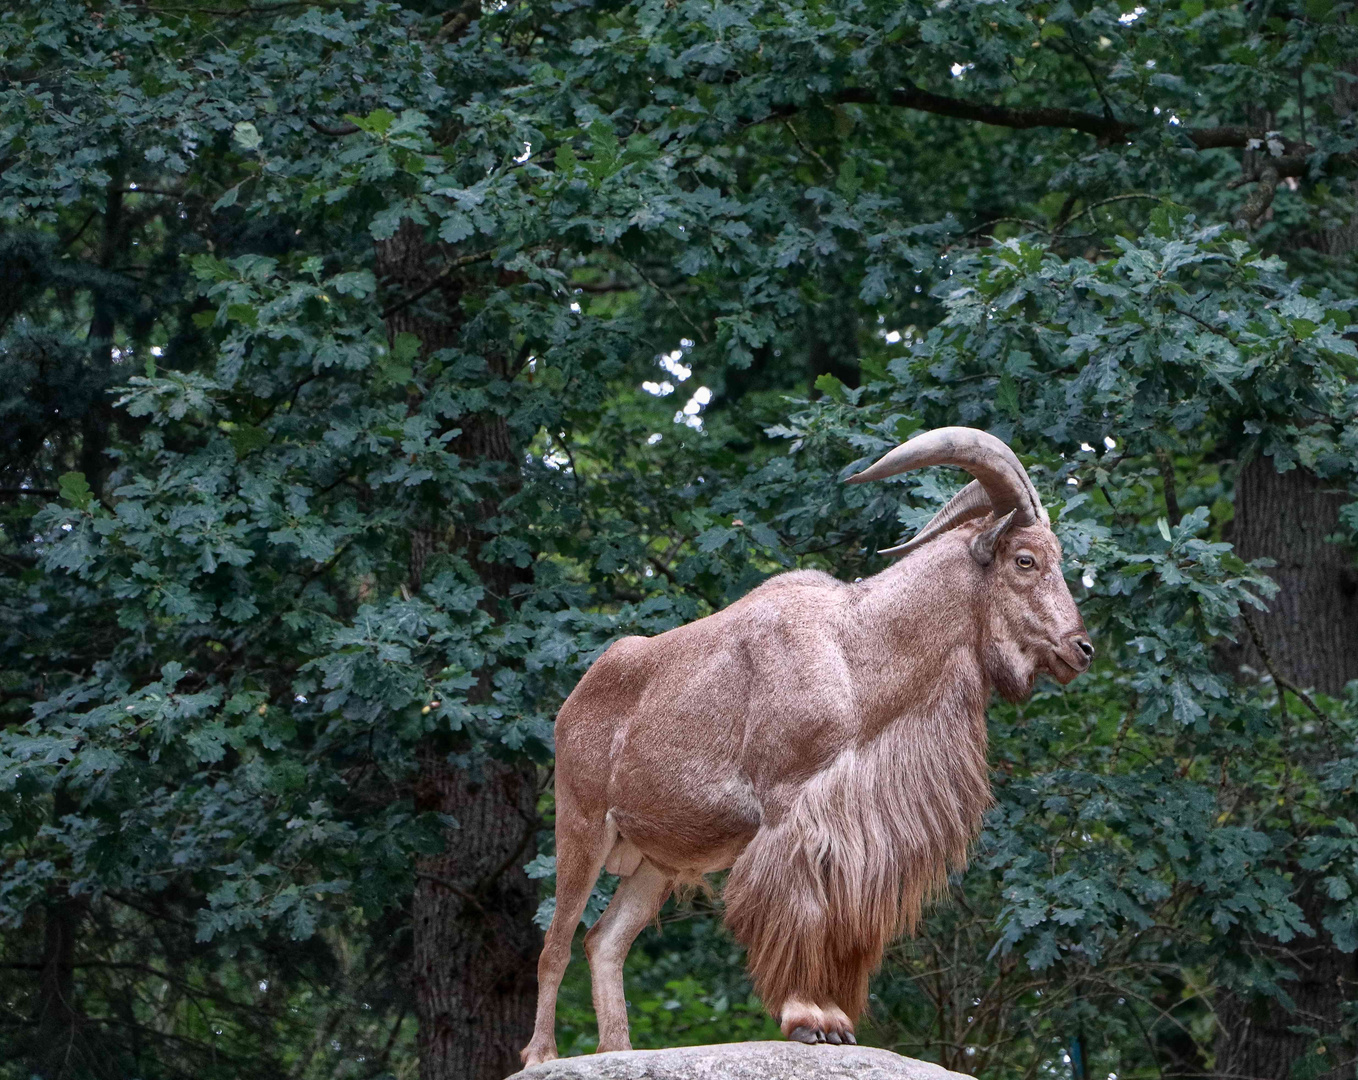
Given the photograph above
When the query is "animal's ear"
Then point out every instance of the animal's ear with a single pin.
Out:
(983, 543)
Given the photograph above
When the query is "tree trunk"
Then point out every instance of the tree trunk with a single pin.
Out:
(1311, 628)
(58, 1048)
(475, 945)
(1310, 636)
(57, 1042)
(94, 426)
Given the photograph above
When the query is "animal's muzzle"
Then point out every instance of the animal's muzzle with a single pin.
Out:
(1082, 655)
(1071, 657)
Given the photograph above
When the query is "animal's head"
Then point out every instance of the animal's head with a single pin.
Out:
(1030, 620)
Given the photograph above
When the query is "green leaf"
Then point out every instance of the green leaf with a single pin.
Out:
(246, 438)
(406, 347)
(848, 182)
(75, 489)
(247, 137)
(247, 314)
(640, 148)
(1006, 396)
(377, 122)
(832, 387)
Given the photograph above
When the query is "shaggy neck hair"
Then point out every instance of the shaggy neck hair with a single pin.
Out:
(818, 894)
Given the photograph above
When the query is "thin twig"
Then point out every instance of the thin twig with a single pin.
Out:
(453, 887)
(83, 226)
(1113, 199)
(806, 149)
(1301, 99)
(1063, 215)
(443, 275)
(673, 302)
(1037, 226)
(514, 856)
(380, 1066)
(1284, 683)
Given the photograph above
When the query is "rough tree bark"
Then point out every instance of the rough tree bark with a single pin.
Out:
(59, 1045)
(1310, 635)
(1311, 627)
(475, 945)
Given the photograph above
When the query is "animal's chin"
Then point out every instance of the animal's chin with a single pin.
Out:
(1014, 687)
(1012, 672)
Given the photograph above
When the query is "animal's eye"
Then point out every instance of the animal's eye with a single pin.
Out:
(1025, 562)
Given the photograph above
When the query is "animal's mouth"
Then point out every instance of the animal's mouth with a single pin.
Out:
(1061, 671)
(1065, 662)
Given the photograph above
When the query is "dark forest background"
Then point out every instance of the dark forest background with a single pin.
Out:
(366, 368)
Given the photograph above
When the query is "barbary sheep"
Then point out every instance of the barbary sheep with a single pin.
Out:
(824, 741)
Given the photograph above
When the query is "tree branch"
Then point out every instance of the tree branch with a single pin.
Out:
(1107, 128)
(1166, 464)
(912, 97)
(242, 12)
(683, 313)
(1260, 199)
(334, 132)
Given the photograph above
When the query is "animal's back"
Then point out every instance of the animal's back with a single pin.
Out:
(617, 683)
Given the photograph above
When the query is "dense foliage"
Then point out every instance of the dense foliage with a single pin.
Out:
(704, 258)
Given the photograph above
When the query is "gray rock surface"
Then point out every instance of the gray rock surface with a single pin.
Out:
(742, 1061)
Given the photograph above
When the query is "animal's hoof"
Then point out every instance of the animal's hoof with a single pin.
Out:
(536, 1053)
(833, 1037)
(807, 1035)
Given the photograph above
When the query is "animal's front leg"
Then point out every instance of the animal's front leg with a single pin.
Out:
(581, 845)
(808, 1023)
(636, 902)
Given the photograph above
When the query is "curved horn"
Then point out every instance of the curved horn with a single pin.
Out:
(996, 467)
(970, 502)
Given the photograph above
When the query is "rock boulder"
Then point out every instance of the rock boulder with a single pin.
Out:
(742, 1061)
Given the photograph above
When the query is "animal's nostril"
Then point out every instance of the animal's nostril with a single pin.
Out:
(1087, 648)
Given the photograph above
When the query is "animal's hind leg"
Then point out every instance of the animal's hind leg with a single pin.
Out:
(636, 903)
(581, 846)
